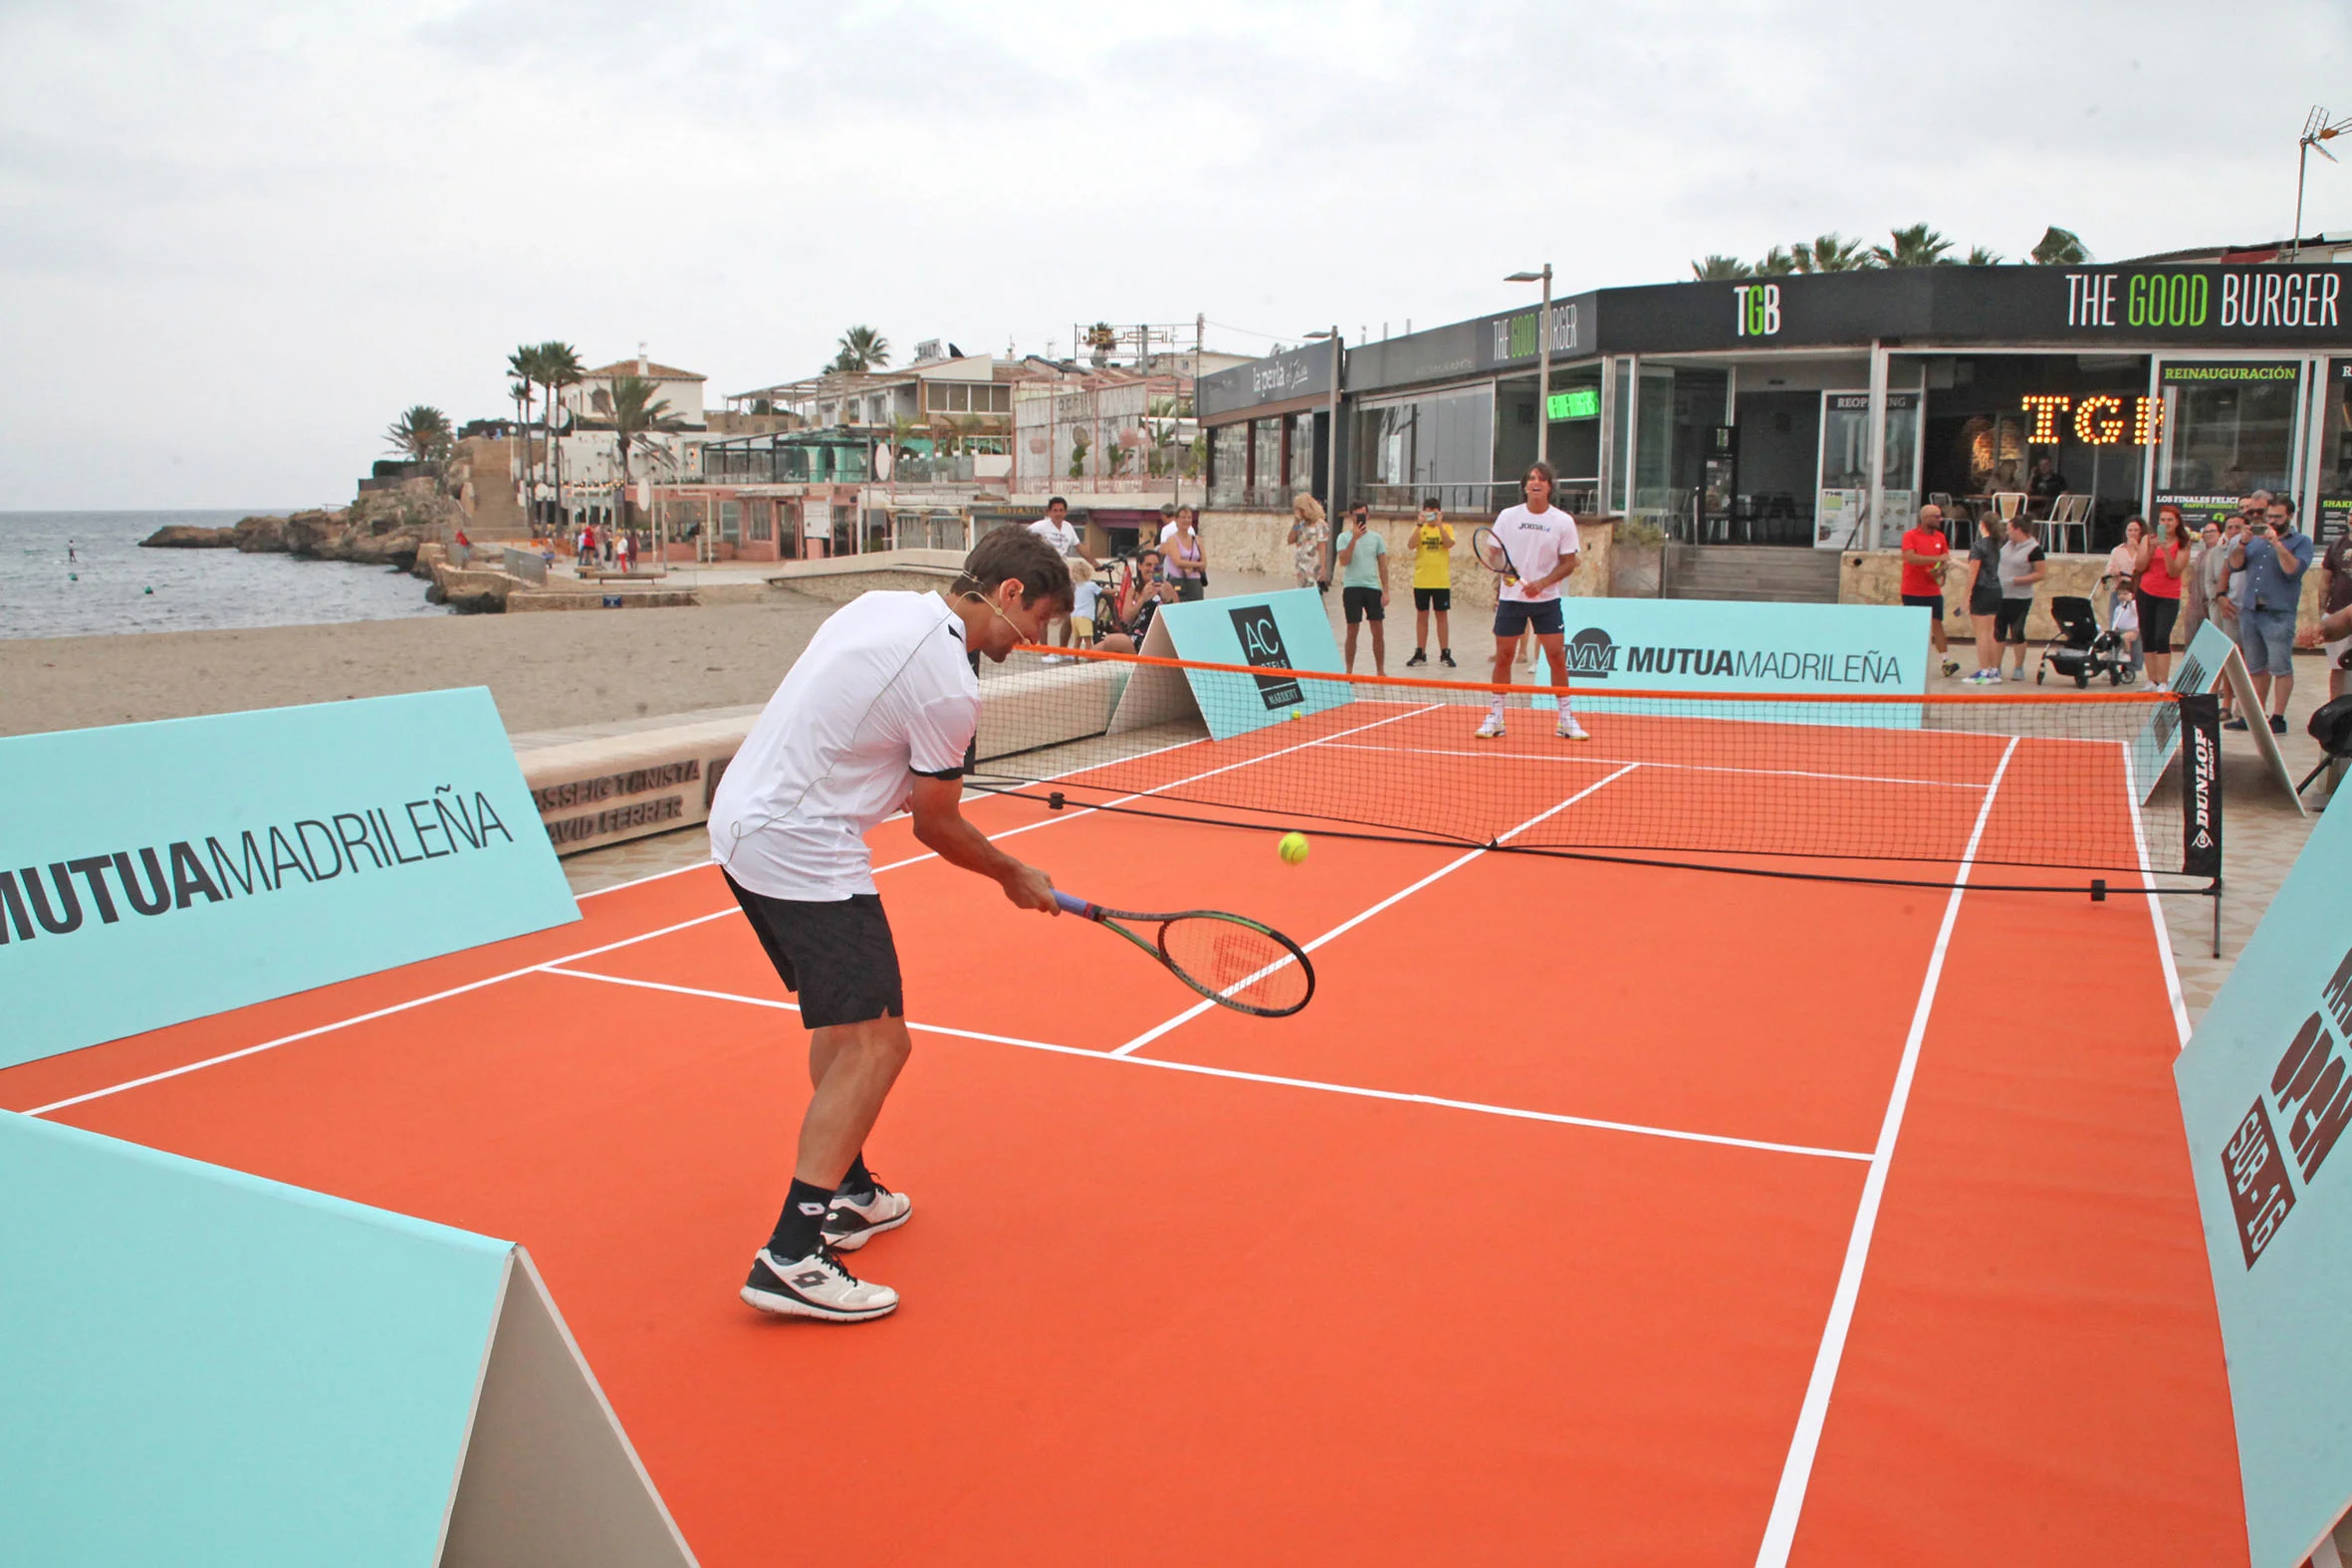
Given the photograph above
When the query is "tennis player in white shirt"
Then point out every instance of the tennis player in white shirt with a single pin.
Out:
(1540, 541)
(877, 715)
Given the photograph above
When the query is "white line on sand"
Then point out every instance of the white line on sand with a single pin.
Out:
(1796, 1472)
(1198, 1069)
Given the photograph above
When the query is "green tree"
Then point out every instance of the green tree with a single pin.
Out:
(1078, 452)
(635, 411)
(1777, 263)
(556, 364)
(1983, 256)
(1832, 252)
(862, 348)
(421, 434)
(1716, 267)
(523, 365)
(2061, 248)
(1916, 246)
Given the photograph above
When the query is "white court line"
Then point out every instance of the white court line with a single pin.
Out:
(365, 1018)
(2154, 901)
(1797, 1473)
(1396, 1096)
(516, 974)
(1703, 768)
(1349, 924)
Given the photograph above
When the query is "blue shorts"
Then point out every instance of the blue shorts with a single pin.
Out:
(2267, 639)
(1513, 617)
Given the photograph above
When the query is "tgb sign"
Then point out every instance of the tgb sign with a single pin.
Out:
(1756, 310)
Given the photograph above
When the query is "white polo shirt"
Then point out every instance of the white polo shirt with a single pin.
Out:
(884, 690)
(1063, 537)
(1536, 543)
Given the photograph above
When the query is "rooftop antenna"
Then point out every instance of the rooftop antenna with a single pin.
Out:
(2317, 129)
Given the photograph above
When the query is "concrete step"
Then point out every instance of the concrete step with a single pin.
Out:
(1772, 574)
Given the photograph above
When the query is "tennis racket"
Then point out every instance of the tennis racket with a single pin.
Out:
(1489, 551)
(1233, 962)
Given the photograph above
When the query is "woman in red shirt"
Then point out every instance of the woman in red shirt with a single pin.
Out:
(2163, 563)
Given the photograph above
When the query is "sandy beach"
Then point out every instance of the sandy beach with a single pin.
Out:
(546, 670)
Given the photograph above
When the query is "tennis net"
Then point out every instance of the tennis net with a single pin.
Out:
(2064, 790)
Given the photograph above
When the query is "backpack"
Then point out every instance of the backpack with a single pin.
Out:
(2331, 727)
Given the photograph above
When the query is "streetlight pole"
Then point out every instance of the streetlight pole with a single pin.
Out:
(1543, 361)
(1331, 437)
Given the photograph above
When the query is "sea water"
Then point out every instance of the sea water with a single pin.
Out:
(83, 574)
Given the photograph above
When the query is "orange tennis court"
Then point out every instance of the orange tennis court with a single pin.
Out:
(1593, 1212)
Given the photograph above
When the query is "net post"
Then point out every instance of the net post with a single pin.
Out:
(2200, 795)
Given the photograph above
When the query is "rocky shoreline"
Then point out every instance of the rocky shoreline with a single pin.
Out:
(380, 529)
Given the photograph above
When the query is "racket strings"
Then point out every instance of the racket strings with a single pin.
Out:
(1240, 961)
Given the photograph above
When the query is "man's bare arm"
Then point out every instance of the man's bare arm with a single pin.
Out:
(941, 829)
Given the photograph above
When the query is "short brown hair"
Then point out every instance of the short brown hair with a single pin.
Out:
(1017, 554)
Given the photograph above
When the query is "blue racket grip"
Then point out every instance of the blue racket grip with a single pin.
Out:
(1071, 904)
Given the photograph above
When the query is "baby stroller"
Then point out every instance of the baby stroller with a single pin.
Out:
(2084, 648)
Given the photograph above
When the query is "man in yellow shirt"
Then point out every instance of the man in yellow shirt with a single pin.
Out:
(1433, 583)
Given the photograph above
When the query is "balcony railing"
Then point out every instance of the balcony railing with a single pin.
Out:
(1477, 497)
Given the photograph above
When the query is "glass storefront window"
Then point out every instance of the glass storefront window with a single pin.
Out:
(1229, 465)
(1653, 445)
(1301, 439)
(2228, 427)
(1265, 488)
(2333, 511)
(730, 522)
(1440, 444)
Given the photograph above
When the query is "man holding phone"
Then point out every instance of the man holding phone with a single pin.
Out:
(2272, 556)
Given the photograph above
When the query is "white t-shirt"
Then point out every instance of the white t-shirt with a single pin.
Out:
(1063, 537)
(1084, 598)
(884, 690)
(1167, 531)
(1535, 542)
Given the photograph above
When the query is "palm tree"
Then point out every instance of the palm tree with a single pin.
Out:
(2061, 248)
(1777, 263)
(1834, 252)
(862, 348)
(557, 365)
(635, 410)
(1716, 267)
(1983, 256)
(1916, 246)
(523, 365)
(421, 434)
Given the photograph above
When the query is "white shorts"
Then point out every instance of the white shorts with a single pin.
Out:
(2339, 654)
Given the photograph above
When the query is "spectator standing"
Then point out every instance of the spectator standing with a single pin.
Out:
(1187, 564)
(2123, 571)
(1085, 594)
(1926, 559)
(2021, 557)
(1984, 600)
(1363, 585)
(1056, 529)
(1310, 534)
(2335, 597)
(2273, 559)
(1433, 583)
(2207, 561)
(2163, 567)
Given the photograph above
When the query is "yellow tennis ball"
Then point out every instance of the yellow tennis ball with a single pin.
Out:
(1293, 848)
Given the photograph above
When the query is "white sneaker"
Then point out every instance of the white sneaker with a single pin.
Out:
(815, 1287)
(1491, 729)
(2017, 675)
(1570, 730)
(853, 1221)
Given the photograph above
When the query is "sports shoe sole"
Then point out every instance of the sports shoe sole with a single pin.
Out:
(782, 1305)
(1572, 735)
(851, 1241)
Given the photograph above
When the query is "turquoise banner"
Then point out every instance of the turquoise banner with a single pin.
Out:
(2197, 672)
(1269, 631)
(2266, 1094)
(1706, 645)
(151, 873)
(204, 1368)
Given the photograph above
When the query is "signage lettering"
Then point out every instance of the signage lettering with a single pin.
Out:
(1262, 648)
(2098, 419)
(1514, 335)
(1582, 402)
(1596, 655)
(2275, 297)
(1756, 310)
(2310, 1095)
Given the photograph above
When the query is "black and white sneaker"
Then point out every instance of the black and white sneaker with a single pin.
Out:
(858, 1217)
(1420, 656)
(814, 1287)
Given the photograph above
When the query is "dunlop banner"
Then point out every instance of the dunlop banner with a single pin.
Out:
(151, 873)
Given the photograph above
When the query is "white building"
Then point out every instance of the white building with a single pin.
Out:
(591, 399)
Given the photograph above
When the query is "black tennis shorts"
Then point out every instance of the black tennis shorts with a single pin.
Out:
(2157, 615)
(837, 955)
(2009, 622)
(1362, 604)
(1925, 602)
(1513, 617)
(1433, 599)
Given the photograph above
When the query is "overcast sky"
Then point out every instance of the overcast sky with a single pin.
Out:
(235, 240)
